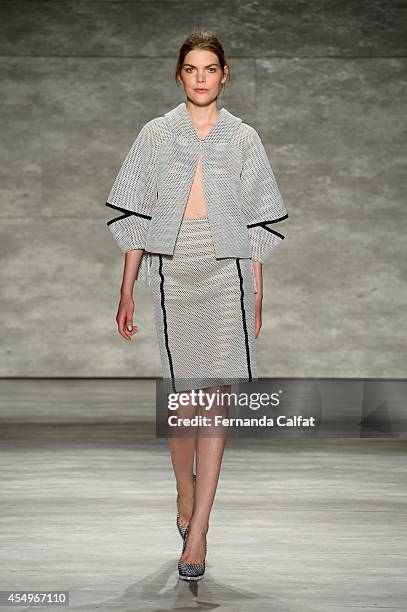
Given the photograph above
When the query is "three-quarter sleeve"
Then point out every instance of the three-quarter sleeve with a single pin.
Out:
(133, 194)
(262, 201)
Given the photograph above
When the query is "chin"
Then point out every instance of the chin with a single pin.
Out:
(203, 98)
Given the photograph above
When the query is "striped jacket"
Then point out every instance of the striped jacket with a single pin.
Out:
(153, 183)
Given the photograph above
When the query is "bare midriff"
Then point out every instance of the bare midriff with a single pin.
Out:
(196, 205)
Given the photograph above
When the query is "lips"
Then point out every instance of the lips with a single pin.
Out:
(200, 90)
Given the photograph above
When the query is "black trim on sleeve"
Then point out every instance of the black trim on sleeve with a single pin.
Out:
(270, 221)
(127, 213)
(273, 231)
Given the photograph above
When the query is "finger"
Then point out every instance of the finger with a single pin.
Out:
(121, 321)
(123, 332)
(257, 324)
(132, 329)
(125, 336)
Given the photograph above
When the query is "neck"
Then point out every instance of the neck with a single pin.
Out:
(203, 115)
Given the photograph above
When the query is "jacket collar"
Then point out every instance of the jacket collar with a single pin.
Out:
(181, 123)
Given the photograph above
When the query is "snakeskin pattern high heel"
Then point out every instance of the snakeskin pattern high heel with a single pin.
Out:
(191, 571)
(182, 529)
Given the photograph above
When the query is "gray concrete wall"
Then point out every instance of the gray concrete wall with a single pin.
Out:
(325, 85)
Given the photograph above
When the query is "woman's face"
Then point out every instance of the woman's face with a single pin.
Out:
(202, 76)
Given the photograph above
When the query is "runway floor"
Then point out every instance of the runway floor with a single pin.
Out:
(88, 506)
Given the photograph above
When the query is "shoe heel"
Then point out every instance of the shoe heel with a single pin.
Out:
(191, 571)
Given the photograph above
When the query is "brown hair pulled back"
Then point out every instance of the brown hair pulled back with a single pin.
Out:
(202, 39)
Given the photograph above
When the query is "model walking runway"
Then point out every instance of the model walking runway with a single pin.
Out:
(197, 195)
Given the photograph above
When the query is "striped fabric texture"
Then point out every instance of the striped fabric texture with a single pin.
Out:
(204, 312)
(151, 189)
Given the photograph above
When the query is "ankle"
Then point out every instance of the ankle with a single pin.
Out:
(186, 491)
(199, 527)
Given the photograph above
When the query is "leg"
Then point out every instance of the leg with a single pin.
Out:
(182, 457)
(209, 454)
(182, 451)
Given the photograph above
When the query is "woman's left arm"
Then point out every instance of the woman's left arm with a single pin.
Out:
(258, 274)
(263, 207)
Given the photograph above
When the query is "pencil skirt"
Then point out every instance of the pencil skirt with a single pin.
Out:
(204, 311)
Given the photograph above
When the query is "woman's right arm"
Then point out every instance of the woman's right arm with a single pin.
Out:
(125, 311)
(133, 195)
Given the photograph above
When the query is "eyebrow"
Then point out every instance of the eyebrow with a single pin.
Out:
(208, 66)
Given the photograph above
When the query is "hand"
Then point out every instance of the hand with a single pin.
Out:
(124, 318)
(258, 311)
